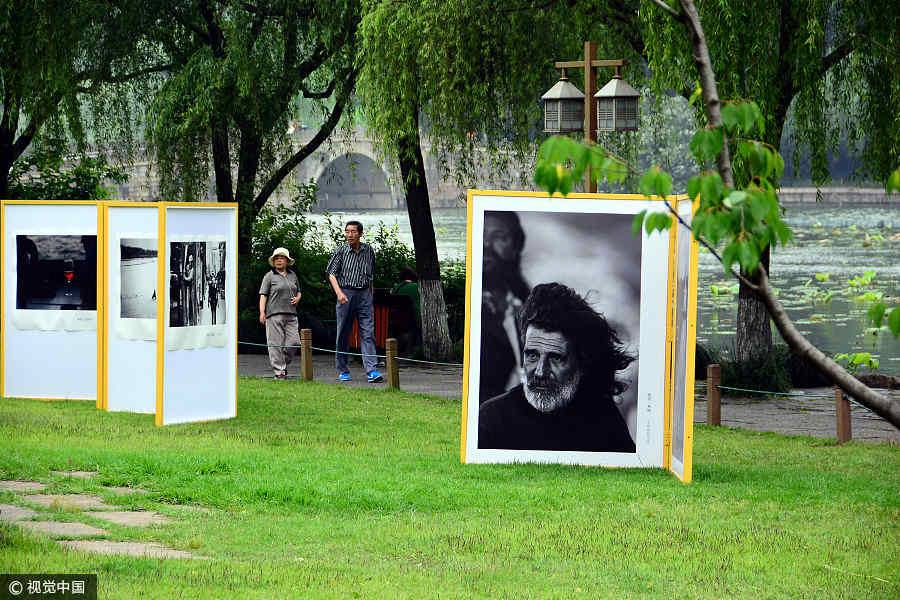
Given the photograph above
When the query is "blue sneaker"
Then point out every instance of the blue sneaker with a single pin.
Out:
(374, 376)
(344, 377)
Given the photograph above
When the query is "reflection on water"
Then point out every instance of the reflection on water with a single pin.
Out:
(842, 241)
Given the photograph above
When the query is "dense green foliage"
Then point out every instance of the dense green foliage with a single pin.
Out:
(40, 175)
(59, 61)
(311, 245)
(322, 491)
(829, 67)
(238, 70)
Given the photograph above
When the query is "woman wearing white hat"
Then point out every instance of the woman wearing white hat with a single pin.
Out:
(279, 294)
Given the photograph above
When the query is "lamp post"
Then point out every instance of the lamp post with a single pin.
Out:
(616, 103)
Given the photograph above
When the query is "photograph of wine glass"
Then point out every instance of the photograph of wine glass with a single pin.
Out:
(56, 272)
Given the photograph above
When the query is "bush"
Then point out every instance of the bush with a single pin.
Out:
(310, 245)
(768, 373)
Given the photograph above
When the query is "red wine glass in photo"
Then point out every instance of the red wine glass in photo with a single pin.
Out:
(69, 274)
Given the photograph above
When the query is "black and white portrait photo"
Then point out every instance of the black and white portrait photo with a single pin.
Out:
(554, 343)
(197, 283)
(138, 264)
(56, 272)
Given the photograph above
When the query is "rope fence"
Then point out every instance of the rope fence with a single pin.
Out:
(714, 389)
(391, 358)
(713, 385)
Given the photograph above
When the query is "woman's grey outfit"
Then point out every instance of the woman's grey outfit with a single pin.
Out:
(282, 326)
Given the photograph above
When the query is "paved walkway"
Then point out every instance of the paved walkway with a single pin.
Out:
(789, 415)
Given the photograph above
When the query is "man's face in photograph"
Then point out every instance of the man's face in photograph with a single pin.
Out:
(551, 368)
(499, 245)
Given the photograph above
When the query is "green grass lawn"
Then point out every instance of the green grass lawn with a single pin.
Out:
(328, 492)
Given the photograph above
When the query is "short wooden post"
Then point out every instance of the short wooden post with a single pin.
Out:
(713, 395)
(306, 367)
(842, 415)
(391, 363)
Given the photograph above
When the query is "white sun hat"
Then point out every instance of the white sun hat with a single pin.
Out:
(281, 252)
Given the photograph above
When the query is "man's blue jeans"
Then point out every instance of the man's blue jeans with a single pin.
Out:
(359, 305)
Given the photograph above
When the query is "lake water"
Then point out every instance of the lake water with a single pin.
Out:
(838, 242)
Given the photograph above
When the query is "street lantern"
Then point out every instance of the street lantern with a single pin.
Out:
(563, 107)
(616, 102)
(617, 106)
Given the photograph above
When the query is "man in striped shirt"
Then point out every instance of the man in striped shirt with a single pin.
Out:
(350, 272)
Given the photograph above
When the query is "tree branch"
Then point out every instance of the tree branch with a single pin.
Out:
(120, 78)
(681, 18)
(311, 146)
(323, 94)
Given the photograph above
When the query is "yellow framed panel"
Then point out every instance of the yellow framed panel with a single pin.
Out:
(167, 224)
(544, 218)
(5, 309)
(161, 299)
(670, 343)
(126, 341)
(684, 347)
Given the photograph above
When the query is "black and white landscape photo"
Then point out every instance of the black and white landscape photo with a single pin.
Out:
(197, 283)
(139, 268)
(56, 272)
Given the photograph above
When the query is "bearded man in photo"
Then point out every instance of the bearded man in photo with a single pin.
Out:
(570, 360)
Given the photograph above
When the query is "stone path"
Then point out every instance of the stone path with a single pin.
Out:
(21, 486)
(26, 518)
(68, 502)
(131, 518)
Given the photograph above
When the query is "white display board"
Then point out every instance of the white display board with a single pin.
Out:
(132, 273)
(50, 299)
(579, 245)
(198, 344)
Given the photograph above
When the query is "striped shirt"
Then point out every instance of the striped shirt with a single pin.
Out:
(352, 269)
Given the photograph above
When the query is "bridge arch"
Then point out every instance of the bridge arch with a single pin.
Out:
(353, 181)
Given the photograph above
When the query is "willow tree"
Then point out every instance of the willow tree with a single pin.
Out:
(833, 65)
(58, 60)
(744, 217)
(239, 68)
(466, 74)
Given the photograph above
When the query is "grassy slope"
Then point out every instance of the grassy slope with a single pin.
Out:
(334, 493)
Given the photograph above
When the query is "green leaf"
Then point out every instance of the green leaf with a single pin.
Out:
(729, 255)
(656, 182)
(694, 186)
(876, 314)
(731, 116)
(747, 113)
(893, 183)
(638, 222)
(894, 321)
(706, 144)
(735, 198)
(696, 95)
(712, 188)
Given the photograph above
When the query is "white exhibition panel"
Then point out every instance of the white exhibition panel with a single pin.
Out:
(130, 360)
(199, 384)
(650, 415)
(58, 362)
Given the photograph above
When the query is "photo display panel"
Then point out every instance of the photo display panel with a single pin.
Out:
(50, 266)
(132, 272)
(566, 331)
(685, 318)
(198, 267)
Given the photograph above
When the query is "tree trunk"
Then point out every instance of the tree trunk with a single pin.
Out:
(435, 331)
(753, 337)
(884, 406)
